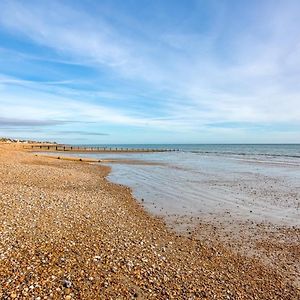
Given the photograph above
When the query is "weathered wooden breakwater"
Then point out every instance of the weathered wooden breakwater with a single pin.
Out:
(71, 148)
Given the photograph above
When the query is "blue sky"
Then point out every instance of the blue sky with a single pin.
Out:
(150, 71)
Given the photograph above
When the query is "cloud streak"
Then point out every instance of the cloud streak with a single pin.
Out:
(13, 122)
(80, 132)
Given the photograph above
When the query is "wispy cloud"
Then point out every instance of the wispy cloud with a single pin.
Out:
(80, 132)
(13, 122)
(232, 66)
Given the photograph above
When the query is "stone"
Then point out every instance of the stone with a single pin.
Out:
(67, 283)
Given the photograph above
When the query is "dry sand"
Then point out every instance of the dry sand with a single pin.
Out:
(67, 233)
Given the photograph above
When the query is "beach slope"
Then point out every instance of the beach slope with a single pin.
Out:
(68, 233)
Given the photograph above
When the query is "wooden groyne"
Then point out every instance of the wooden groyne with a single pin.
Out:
(70, 148)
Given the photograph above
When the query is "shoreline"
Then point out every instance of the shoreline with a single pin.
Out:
(89, 160)
(95, 235)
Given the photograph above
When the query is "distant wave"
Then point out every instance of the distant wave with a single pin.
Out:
(244, 153)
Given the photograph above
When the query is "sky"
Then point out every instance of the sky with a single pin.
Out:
(154, 71)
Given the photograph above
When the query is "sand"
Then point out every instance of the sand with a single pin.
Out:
(68, 233)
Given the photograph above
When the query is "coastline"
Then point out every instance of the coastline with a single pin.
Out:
(67, 231)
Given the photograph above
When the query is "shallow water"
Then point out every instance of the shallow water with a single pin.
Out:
(243, 182)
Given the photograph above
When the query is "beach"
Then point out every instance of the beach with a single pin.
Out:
(69, 233)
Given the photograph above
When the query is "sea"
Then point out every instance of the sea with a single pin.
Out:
(242, 182)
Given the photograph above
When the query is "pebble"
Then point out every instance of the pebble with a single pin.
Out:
(67, 283)
(80, 218)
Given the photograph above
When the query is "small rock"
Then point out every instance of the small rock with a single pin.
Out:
(97, 257)
(67, 283)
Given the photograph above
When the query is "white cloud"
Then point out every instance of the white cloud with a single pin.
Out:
(255, 82)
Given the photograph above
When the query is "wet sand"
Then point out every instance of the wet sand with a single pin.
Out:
(94, 160)
(68, 233)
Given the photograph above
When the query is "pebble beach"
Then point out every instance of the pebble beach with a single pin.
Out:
(66, 232)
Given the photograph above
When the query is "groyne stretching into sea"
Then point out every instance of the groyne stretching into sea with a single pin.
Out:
(71, 148)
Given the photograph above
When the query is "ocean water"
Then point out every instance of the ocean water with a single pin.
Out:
(286, 153)
(258, 183)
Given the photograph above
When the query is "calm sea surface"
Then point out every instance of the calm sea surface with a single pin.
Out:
(246, 182)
